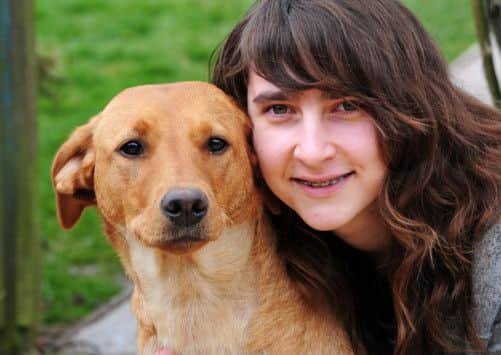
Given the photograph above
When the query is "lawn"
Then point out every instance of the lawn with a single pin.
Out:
(450, 23)
(100, 47)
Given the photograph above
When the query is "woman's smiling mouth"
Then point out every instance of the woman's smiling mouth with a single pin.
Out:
(323, 183)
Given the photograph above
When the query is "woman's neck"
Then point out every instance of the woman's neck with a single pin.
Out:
(366, 232)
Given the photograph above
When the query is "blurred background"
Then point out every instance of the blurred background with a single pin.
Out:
(89, 50)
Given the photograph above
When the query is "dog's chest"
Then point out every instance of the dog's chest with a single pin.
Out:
(191, 311)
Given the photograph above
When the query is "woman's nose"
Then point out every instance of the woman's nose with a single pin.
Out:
(314, 146)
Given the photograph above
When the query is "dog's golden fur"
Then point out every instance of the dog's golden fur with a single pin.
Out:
(223, 290)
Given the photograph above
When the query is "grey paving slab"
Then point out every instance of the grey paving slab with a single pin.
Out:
(110, 330)
(114, 332)
(467, 72)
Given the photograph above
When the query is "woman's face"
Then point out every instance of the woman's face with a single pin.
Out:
(321, 157)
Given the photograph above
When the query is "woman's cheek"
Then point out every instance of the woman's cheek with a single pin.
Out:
(271, 143)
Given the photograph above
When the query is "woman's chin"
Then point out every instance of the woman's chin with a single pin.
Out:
(319, 222)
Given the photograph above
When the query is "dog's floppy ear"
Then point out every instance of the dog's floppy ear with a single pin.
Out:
(73, 175)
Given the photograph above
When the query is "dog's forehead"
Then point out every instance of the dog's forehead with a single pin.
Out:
(189, 100)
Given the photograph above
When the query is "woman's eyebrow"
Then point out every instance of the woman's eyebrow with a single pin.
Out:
(272, 95)
(279, 95)
(329, 95)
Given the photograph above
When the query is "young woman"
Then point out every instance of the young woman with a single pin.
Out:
(388, 175)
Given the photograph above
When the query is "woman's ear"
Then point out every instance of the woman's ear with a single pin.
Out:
(271, 202)
(73, 175)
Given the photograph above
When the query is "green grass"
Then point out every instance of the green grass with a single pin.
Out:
(99, 48)
(450, 23)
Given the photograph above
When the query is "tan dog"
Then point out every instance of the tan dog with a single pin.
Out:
(170, 170)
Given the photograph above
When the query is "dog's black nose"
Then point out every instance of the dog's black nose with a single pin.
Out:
(185, 207)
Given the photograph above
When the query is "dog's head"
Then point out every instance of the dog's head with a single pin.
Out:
(167, 164)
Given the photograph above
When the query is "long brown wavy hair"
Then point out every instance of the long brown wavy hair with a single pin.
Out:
(443, 152)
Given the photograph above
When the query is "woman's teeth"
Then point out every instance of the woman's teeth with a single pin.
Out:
(323, 183)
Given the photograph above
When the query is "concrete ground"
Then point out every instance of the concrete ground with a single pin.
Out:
(112, 331)
(467, 72)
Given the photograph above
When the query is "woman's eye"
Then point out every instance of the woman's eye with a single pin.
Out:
(132, 148)
(347, 106)
(216, 145)
(279, 109)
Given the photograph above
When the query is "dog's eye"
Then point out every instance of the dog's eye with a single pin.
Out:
(217, 145)
(132, 148)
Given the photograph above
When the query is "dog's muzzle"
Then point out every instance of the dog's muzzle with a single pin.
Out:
(184, 207)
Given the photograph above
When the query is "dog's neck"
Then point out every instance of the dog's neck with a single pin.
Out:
(221, 261)
(187, 296)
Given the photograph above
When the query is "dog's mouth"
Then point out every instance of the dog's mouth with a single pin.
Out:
(184, 242)
(181, 244)
(175, 240)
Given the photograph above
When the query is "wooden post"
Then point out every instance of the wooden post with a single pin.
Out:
(494, 18)
(481, 12)
(19, 245)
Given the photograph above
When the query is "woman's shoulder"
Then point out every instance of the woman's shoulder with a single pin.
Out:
(488, 249)
(486, 278)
